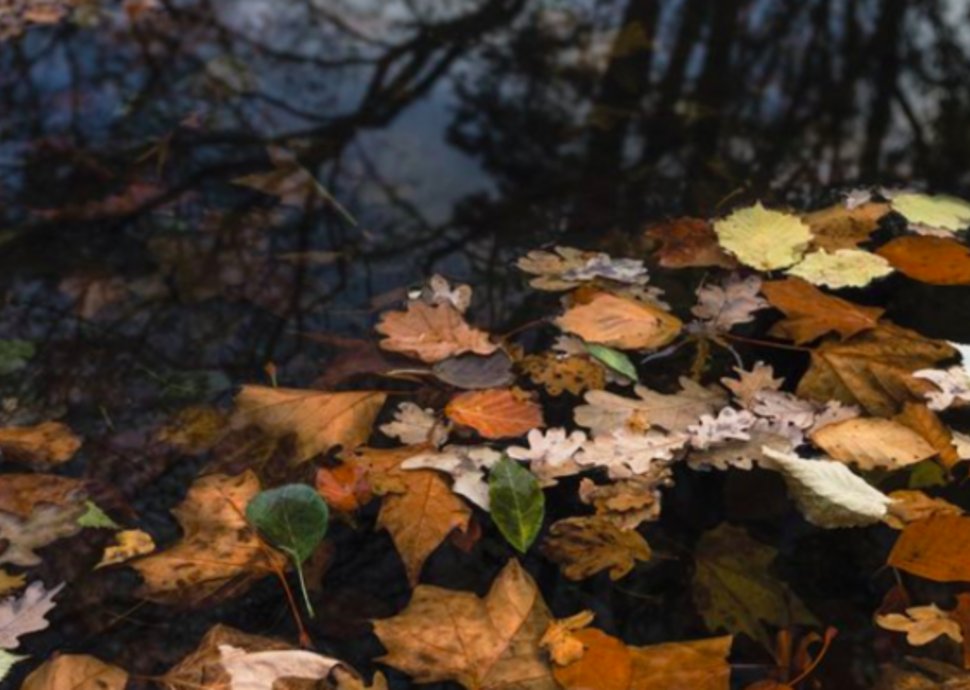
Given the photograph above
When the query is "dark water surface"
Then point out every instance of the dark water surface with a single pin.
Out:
(457, 134)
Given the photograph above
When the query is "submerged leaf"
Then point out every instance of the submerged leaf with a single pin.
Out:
(76, 672)
(25, 614)
(583, 546)
(431, 333)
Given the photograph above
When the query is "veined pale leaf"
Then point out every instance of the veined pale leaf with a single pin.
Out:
(841, 268)
(935, 212)
(517, 503)
(762, 238)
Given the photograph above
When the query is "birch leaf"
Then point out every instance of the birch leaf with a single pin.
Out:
(940, 213)
(842, 268)
(764, 239)
(620, 322)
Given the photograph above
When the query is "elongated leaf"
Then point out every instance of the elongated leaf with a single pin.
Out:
(293, 518)
(517, 502)
(613, 359)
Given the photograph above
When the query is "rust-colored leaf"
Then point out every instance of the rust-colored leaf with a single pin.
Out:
(620, 322)
(431, 333)
(344, 487)
(606, 664)
(496, 412)
(926, 423)
(841, 227)
(49, 443)
(21, 493)
(937, 548)
(871, 442)
(933, 260)
(583, 546)
(810, 313)
(686, 242)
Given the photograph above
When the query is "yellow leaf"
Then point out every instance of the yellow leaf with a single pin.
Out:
(762, 238)
(841, 268)
(871, 442)
(129, 544)
(935, 212)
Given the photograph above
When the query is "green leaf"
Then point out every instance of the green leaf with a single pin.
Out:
(517, 503)
(613, 359)
(14, 355)
(293, 518)
(925, 474)
(95, 517)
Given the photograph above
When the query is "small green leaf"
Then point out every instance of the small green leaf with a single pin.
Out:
(293, 518)
(517, 503)
(14, 355)
(613, 359)
(925, 474)
(93, 516)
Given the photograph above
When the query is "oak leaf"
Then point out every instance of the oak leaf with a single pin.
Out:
(762, 238)
(810, 313)
(551, 454)
(620, 322)
(933, 260)
(49, 443)
(626, 453)
(871, 442)
(76, 672)
(729, 425)
(219, 555)
(749, 383)
(483, 643)
(495, 412)
(414, 425)
(721, 307)
(320, 420)
(628, 502)
(566, 267)
(922, 624)
(583, 546)
(465, 464)
(431, 333)
(25, 614)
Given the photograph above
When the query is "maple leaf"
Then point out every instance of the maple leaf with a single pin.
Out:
(431, 333)
(605, 411)
(729, 424)
(872, 443)
(686, 242)
(620, 322)
(721, 307)
(762, 238)
(25, 614)
(496, 412)
(841, 268)
(413, 425)
(219, 555)
(922, 624)
(483, 643)
(931, 260)
(583, 546)
(320, 420)
(465, 464)
(550, 454)
(628, 502)
(749, 383)
(419, 509)
(49, 443)
(810, 313)
(625, 453)
(77, 672)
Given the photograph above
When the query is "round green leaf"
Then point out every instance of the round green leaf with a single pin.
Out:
(516, 502)
(292, 518)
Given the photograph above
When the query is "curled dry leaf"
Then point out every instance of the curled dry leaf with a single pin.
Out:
(219, 555)
(871, 442)
(686, 242)
(129, 543)
(933, 260)
(625, 453)
(431, 333)
(911, 506)
(76, 672)
(583, 546)
(810, 313)
(319, 420)
(43, 445)
(495, 413)
(842, 268)
(620, 322)
(429, 640)
(763, 239)
(922, 624)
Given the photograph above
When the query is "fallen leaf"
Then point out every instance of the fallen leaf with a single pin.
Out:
(219, 555)
(439, 291)
(619, 363)
(606, 664)
(750, 383)
(734, 590)
(472, 372)
(936, 548)
(46, 524)
(933, 260)
(952, 387)
(11, 582)
(619, 322)
(431, 333)
(763, 239)
(20, 494)
(26, 614)
(729, 425)
(8, 661)
(922, 624)
(842, 268)
(465, 464)
(261, 670)
(721, 307)
(345, 487)
(413, 425)
(686, 242)
(76, 672)
(550, 454)
(626, 453)
(584, 546)
(922, 674)
(50, 443)
(698, 665)
(418, 509)
(565, 268)
(560, 373)
(844, 227)
(910, 506)
(319, 420)
(558, 639)
(828, 494)
(932, 213)
(628, 502)
(810, 313)
(742, 455)
(495, 413)
(129, 544)
(516, 502)
(483, 643)
(871, 442)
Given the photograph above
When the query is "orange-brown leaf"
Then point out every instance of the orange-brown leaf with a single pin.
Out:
(431, 333)
(937, 548)
(933, 260)
(344, 487)
(20, 493)
(926, 423)
(605, 665)
(839, 227)
(810, 313)
(620, 322)
(688, 242)
(496, 412)
(49, 443)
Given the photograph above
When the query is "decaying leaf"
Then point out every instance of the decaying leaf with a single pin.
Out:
(219, 555)
(734, 589)
(559, 373)
(413, 425)
(942, 214)
(46, 524)
(922, 624)
(418, 509)
(721, 307)
(488, 643)
(473, 372)
(76, 672)
(828, 494)
(763, 239)
(810, 313)
(43, 445)
(466, 465)
(565, 268)
(431, 333)
(620, 322)
(11, 583)
(911, 506)
(933, 260)
(27, 613)
(129, 544)
(496, 412)
(750, 383)
(729, 425)
(550, 454)
(871, 442)
(628, 502)
(841, 268)
(21, 494)
(951, 387)
(927, 424)
(261, 670)
(558, 639)
(583, 546)
(319, 420)
(686, 242)
(439, 291)
(936, 548)
(844, 226)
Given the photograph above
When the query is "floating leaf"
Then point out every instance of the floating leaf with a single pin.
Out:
(25, 614)
(911, 506)
(686, 242)
(560, 373)
(620, 322)
(261, 670)
(76, 672)
(50, 443)
(550, 454)
(922, 624)
(495, 413)
(811, 313)
(431, 333)
(128, 544)
(763, 239)
(872, 443)
(844, 226)
(465, 464)
(517, 503)
(841, 268)
(721, 307)
(937, 548)
(933, 260)
(584, 546)
(614, 359)
(472, 372)
(946, 213)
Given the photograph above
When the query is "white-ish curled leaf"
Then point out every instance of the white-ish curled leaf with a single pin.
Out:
(827, 493)
(729, 425)
(260, 670)
(550, 454)
(465, 464)
(625, 453)
(413, 426)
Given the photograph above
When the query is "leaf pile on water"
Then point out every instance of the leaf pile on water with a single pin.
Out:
(582, 442)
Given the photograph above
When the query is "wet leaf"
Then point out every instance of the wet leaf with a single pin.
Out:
(941, 213)
(25, 614)
(721, 307)
(43, 445)
(627, 453)
(261, 670)
(517, 503)
(584, 546)
(842, 268)
(550, 454)
(922, 624)
(567, 267)
(15, 354)
(76, 672)
(871, 443)
(485, 643)
(8, 661)
(620, 322)
(613, 359)
(763, 239)
(560, 373)
(473, 372)
(128, 544)
(319, 420)
(293, 518)
(686, 242)
(465, 464)
(810, 313)
(628, 502)
(431, 333)
(933, 260)
(911, 506)
(495, 413)
(10, 582)
(843, 226)
(937, 548)
(927, 424)
(413, 425)
(345, 487)
(46, 524)
(750, 383)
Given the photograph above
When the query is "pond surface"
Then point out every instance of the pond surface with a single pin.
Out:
(450, 137)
